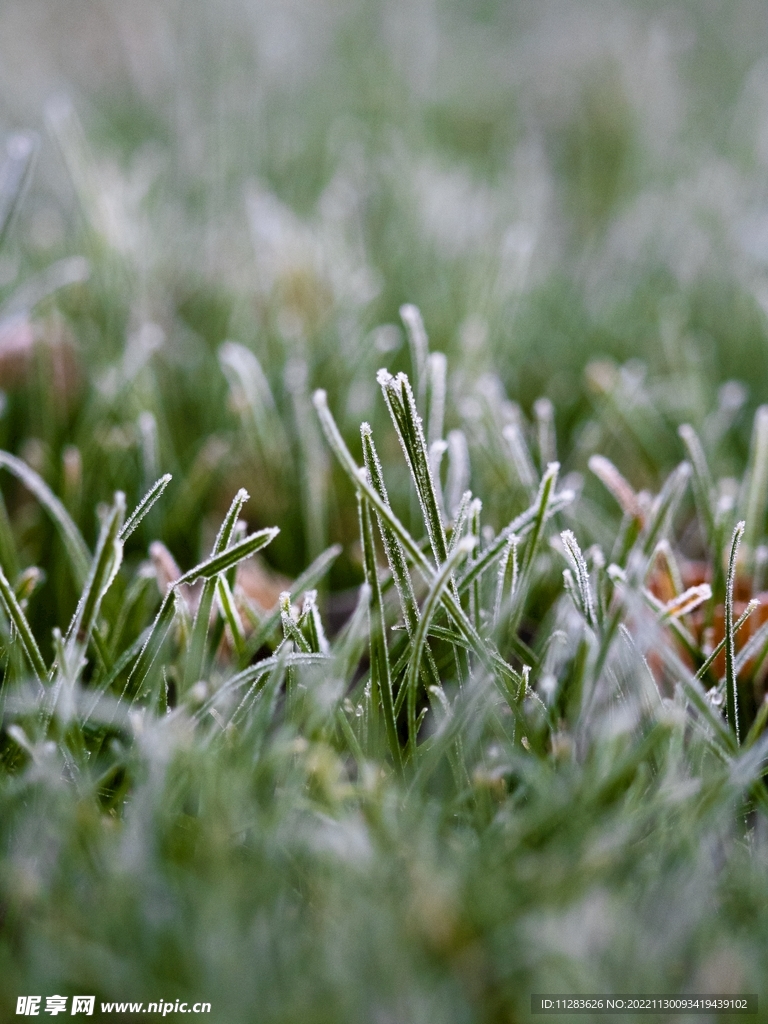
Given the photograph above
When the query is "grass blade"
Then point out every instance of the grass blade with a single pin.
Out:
(754, 494)
(143, 508)
(579, 566)
(210, 568)
(419, 344)
(22, 627)
(106, 563)
(401, 404)
(79, 555)
(308, 579)
(381, 676)
(731, 692)
(15, 172)
(703, 487)
(429, 608)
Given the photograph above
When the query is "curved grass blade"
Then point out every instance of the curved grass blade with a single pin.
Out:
(77, 550)
(543, 500)
(614, 482)
(22, 627)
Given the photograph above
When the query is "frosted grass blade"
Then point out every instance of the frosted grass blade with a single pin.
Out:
(22, 627)
(144, 507)
(731, 691)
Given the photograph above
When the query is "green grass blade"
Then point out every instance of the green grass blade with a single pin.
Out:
(222, 551)
(401, 404)
(232, 616)
(703, 487)
(22, 627)
(77, 550)
(143, 508)
(721, 646)
(106, 563)
(381, 676)
(392, 547)
(754, 495)
(731, 692)
(431, 603)
(211, 567)
(581, 573)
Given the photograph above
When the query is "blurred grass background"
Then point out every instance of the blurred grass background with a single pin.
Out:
(551, 186)
(576, 197)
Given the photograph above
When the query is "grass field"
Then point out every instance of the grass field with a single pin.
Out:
(384, 451)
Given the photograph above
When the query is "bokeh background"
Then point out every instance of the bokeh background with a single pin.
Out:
(556, 186)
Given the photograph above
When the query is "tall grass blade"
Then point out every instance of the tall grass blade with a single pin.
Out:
(231, 615)
(703, 486)
(429, 608)
(754, 494)
(664, 508)
(402, 408)
(506, 581)
(381, 676)
(106, 563)
(254, 402)
(392, 546)
(487, 656)
(457, 480)
(419, 344)
(731, 692)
